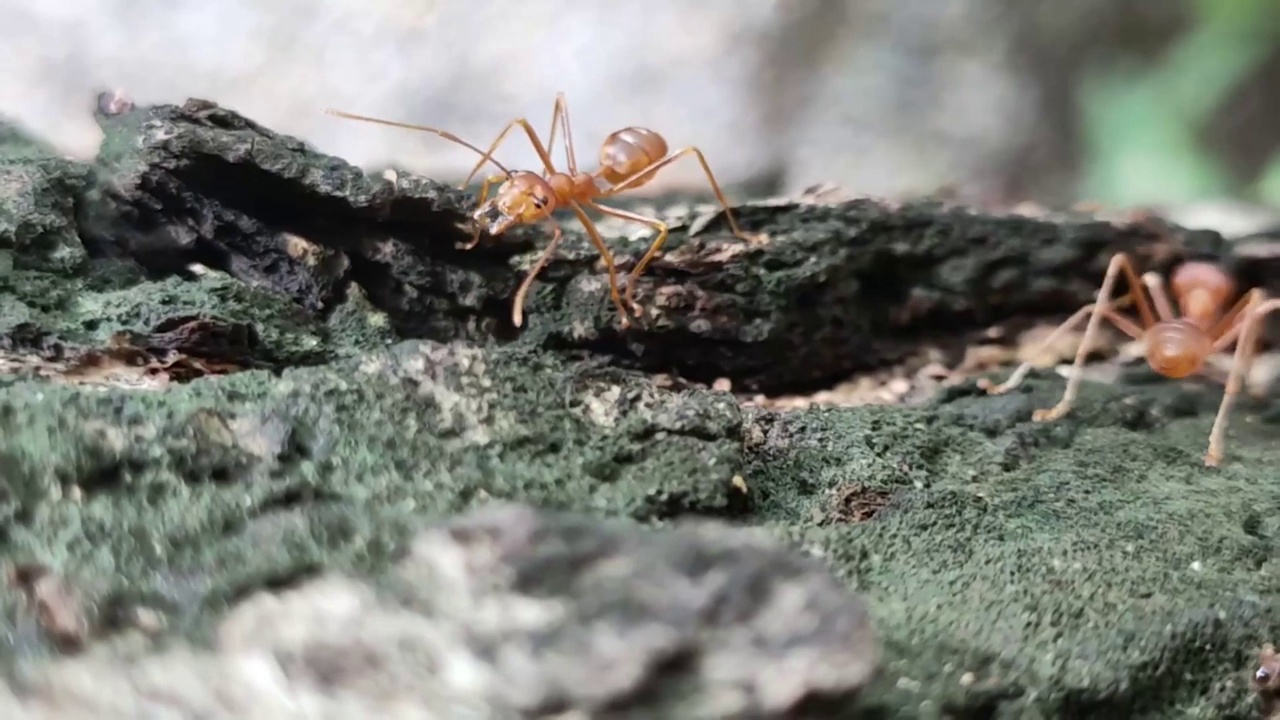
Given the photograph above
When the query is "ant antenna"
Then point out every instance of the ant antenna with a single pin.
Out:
(446, 135)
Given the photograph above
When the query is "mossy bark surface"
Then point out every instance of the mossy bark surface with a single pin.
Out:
(1087, 567)
(838, 287)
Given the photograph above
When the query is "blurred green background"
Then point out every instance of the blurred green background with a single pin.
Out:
(1144, 127)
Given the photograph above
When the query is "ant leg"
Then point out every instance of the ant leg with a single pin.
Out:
(1246, 346)
(603, 249)
(484, 195)
(1119, 263)
(434, 131)
(538, 147)
(1226, 329)
(1159, 295)
(560, 116)
(1020, 373)
(517, 306)
(1122, 323)
(1136, 286)
(1125, 325)
(654, 248)
(650, 171)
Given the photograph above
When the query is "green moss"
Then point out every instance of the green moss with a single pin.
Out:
(82, 311)
(356, 325)
(1089, 567)
(37, 205)
(192, 496)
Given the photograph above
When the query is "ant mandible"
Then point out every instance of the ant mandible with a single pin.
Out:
(629, 158)
(1177, 345)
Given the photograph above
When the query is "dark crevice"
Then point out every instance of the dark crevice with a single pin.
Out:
(293, 498)
(276, 581)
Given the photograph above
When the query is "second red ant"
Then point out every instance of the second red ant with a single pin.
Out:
(629, 158)
(1177, 344)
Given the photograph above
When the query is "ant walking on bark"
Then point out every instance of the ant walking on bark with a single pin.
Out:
(1177, 345)
(629, 158)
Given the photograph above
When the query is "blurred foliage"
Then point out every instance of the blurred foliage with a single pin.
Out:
(1141, 123)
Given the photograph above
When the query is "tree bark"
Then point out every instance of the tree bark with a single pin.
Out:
(838, 285)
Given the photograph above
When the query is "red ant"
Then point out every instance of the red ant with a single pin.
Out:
(1177, 345)
(629, 158)
(1266, 681)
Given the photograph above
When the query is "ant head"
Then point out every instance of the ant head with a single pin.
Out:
(1267, 675)
(524, 198)
(1177, 348)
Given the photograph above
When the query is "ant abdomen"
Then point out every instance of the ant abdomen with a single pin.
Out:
(1177, 348)
(628, 151)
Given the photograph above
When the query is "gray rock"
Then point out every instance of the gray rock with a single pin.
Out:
(507, 612)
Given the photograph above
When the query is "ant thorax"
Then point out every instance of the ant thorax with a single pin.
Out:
(1201, 289)
(581, 187)
(1200, 306)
